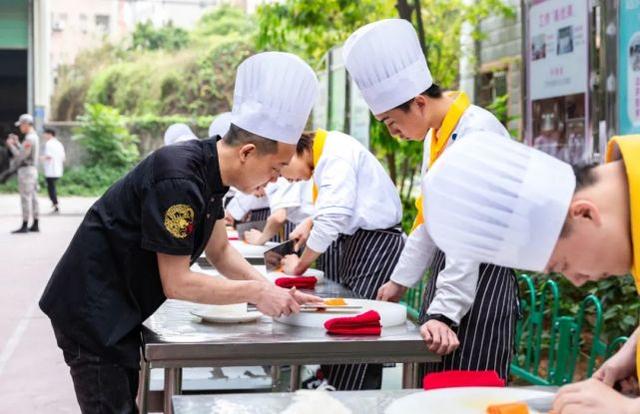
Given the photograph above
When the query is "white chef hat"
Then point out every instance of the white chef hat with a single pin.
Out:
(273, 96)
(178, 133)
(494, 200)
(387, 63)
(220, 125)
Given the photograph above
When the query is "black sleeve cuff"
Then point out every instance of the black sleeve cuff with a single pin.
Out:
(441, 318)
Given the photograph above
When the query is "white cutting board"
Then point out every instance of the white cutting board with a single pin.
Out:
(272, 276)
(464, 400)
(251, 251)
(391, 314)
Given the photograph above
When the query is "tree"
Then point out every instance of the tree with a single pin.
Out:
(168, 37)
(103, 134)
(311, 27)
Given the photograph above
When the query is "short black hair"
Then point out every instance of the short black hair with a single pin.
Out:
(433, 91)
(585, 177)
(50, 131)
(237, 136)
(305, 143)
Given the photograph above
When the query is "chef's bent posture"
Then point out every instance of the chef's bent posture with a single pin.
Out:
(502, 202)
(357, 206)
(470, 309)
(136, 244)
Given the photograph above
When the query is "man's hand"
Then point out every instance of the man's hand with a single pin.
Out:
(301, 233)
(592, 397)
(254, 237)
(275, 301)
(620, 366)
(303, 298)
(12, 139)
(228, 219)
(289, 263)
(439, 337)
(391, 292)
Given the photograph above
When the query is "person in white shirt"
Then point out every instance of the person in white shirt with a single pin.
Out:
(358, 211)
(469, 309)
(249, 207)
(290, 205)
(53, 163)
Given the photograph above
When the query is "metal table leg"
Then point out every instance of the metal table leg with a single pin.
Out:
(275, 377)
(172, 386)
(143, 387)
(410, 375)
(294, 380)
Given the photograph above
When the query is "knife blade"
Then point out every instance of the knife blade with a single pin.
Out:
(274, 255)
(312, 306)
(241, 228)
(540, 404)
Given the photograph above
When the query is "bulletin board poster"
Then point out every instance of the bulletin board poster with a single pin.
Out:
(629, 67)
(557, 58)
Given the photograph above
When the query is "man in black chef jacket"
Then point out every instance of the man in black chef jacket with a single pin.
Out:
(136, 244)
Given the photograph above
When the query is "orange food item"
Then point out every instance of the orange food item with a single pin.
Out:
(335, 302)
(512, 408)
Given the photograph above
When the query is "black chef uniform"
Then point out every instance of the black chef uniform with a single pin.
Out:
(107, 282)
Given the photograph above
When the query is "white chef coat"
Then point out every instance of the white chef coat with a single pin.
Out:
(354, 192)
(457, 282)
(295, 197)
(54, 167)
(243, 203)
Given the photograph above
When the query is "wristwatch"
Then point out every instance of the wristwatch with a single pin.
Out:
(441, 318)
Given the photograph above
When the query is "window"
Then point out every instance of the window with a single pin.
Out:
(102, 24)
(59, 21)
(84, 23)
(491, 85)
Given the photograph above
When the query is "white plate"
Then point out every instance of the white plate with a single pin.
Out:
(236, 313)
(464, 400)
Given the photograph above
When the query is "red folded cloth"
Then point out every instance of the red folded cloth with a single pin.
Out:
(367, 323)
(233, 238)
(451, 379)
(299, 282)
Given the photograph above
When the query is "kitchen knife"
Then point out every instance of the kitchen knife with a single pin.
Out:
(273, 256)
(244, 227)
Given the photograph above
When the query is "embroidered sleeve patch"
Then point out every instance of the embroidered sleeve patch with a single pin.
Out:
(178, 220)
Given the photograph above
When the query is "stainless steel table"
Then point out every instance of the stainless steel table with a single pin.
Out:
(174, 339)
(370, 402)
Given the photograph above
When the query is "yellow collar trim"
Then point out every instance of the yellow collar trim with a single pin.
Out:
(318, 147)
(627, 148)
(440, 138)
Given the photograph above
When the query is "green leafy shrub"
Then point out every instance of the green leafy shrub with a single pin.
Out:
(103, 134)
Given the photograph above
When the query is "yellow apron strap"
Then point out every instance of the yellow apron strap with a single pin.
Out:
(318, 146)
(439, 142)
